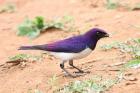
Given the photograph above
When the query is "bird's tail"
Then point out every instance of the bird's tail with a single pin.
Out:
(35, 47)
(27, 48)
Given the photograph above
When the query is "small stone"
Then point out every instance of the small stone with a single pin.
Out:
(128, 74)
(129, 83)
(23, 64)
(131, 78)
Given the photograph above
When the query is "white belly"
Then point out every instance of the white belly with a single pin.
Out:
(70, 56)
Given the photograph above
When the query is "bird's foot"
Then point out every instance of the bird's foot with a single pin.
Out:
(78, 72)
(69, 75)
(72, 76)
(71, 68)
(81, 74)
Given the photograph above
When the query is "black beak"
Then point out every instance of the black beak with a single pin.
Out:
(106, 35)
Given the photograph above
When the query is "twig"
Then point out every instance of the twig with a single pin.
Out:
(117, 64)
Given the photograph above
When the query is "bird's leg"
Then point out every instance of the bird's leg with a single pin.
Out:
(71, 64)
(62, 67)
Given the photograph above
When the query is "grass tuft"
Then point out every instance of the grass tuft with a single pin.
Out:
(110, 4)
(26, 57)
(93, 85)
(8, 7)
(53, 81)
(131, 46)
(135, 63)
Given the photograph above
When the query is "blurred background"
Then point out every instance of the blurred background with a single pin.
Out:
(29, 22)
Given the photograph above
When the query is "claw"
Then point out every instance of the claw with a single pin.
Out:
(70, 75)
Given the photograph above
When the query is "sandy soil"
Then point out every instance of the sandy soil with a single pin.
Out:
(119, 23)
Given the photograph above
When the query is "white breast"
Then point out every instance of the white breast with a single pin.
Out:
(69, 56)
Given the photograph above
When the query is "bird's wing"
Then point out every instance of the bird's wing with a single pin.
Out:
(71, 45)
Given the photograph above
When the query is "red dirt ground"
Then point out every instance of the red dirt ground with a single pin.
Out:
(119, 22)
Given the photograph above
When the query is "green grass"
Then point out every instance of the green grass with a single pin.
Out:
(92, 85)
(53, 81)
(96, 84)
(25, 57)
(110, 46)
(114, 4)
(134, 63)
(33, 28)
(111, 4)
(131, 46)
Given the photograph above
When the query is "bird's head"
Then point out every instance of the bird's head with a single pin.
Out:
(96, 33)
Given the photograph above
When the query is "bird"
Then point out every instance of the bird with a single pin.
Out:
(69, 49)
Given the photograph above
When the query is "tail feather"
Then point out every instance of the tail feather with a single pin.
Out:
(27, 48)
(36, 47)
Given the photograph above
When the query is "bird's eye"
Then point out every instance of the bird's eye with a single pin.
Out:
(97, 33)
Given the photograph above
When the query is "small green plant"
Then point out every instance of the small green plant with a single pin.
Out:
(53, 82)
(9, 7)
(136, 41)
(112, 4)
(87, 87)
(26, 57)
(109, 46)
(131, 46)
(33, 28)
(19, 57)
(39, 22)
(134, 63)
